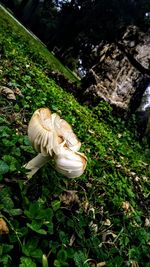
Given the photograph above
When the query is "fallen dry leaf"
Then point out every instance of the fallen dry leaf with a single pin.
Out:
(134, 264)
(69, 197)
(72, 239)
(128, 209)
(108, 236)
(94, 227)
(86, 206)
(7, 92)
(101, 264)
(147, 222)
(126, 206)
(107, 222)
(3, 227)
(93, 263)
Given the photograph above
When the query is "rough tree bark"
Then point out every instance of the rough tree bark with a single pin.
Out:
(122, 72)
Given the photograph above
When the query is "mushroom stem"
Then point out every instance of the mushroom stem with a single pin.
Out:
(35, 164)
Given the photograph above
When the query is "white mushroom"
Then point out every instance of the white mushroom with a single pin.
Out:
(35, 164)
(71, 164)
(52, 136)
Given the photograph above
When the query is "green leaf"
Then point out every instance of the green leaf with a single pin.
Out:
(26, 141)
(79, 259)
(8, 143)
(16, 107)
(2, 121)
(4, 168)
(57, 263)
(62, 255)
(56, 204)
(16, 151)
(36, 227)
(44, 261)
(15, 212)
(6, 260)
(30, 249)
(63, 237)
(4, 131)
(33, 210)
(117, 261)
(45, 214)
(60, 216)
(50, 227)
(6, 200)
(7, 248)
(27, 149)
(11, 161)
(37, 211)
(37, 253)
(26, 262)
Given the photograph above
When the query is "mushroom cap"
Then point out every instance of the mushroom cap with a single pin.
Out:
(71, 164)
(48, 133)
(65, 131)
(40, 133)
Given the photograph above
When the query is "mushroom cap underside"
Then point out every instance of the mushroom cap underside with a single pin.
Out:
(47, 131)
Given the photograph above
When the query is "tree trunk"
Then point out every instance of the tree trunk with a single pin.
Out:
(122, 72)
